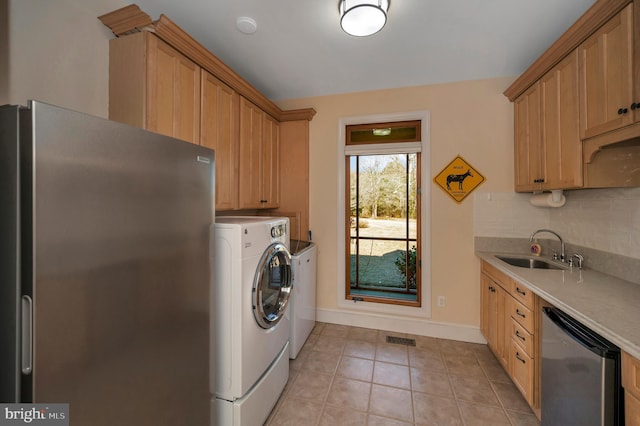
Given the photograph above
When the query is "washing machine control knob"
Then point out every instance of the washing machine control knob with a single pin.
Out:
(278, 231)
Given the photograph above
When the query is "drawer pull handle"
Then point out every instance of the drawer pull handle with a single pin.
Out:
(524, 293)
(520, 313)
(520, 336)
(520, 359)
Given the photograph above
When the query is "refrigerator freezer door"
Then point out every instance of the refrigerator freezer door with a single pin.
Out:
(120, 222)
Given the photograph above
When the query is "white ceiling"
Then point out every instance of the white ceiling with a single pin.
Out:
(299, 49)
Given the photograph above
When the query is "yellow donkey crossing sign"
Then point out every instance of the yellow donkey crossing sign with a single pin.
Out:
(458, 179)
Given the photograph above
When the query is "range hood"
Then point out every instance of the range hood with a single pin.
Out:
(612, 160)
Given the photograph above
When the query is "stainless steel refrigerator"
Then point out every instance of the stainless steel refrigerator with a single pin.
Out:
(105, 270)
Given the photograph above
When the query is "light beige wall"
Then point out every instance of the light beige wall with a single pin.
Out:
(59, 53)
(472, 119)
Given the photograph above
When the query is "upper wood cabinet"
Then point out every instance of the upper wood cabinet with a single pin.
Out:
(162, 79)
(528, 140)
(548, 149)
(219, 130)
(562, 147)
(588, 86)
(153, 86)
(606, 76)
(259, 158)
(270, 161)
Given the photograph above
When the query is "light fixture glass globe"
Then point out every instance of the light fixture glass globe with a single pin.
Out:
(363, 17)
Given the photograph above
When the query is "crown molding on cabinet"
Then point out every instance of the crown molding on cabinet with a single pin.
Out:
(587, 24)
(126, 20)
(131, 19)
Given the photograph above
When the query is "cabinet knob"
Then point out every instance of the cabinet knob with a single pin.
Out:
(622, 111)
(263, 201)
(635, 106)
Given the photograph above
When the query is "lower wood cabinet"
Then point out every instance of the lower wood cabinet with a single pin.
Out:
(510, 323)
(631, 384)
(494, 313)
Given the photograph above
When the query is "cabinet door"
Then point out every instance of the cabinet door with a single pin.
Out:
(250, 155)
(270, 162)
(528, 140)
(493, 313)
(219, 131)
(173, 92)
(487, 310)
(631, 410)
(606, 76)
(631, 384)
(562, 146)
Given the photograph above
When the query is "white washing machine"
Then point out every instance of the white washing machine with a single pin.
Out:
(302, 305)
(252, 267)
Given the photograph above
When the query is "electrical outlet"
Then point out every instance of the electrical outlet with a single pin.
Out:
(440, 301)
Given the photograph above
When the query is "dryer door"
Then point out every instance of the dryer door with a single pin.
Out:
(272, 285)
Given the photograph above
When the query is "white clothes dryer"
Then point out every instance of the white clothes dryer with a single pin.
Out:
(302, 304)
(252, 267)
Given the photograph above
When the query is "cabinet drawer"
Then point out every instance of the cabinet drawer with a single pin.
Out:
(521, 336)
(631, 374)
(522, 314)
(522, 370)
(498, 276)
(522, 294)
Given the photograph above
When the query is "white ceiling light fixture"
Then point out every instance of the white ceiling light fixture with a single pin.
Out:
(362, 18)
(246, 25)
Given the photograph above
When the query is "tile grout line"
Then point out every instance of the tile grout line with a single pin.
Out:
(453, 389)
(493, 388)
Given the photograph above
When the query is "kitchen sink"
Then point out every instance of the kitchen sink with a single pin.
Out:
(530, 262)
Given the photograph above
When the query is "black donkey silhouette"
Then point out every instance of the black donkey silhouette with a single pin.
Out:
(458, 178)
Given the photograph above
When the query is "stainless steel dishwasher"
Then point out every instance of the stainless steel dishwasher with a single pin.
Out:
(581, 382)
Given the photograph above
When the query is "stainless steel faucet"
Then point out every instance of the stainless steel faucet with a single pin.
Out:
(562, 256)
(579, 258)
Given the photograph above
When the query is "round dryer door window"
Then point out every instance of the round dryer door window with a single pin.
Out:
(272, 285)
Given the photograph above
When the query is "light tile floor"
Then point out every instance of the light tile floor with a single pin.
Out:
(352, 376)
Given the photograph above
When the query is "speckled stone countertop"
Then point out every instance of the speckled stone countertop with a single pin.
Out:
(608, 305)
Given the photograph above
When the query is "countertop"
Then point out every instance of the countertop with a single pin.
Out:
(606, 304)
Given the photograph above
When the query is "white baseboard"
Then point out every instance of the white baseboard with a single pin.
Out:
(420, 327)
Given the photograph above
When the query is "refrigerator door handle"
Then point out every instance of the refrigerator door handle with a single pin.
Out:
(27, 335)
